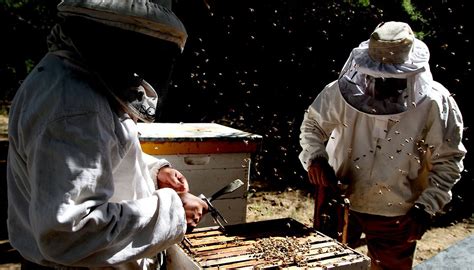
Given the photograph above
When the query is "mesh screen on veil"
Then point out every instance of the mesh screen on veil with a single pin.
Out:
(356, 78)
(134, 68)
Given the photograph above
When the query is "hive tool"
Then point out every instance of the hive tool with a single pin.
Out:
(216, 215)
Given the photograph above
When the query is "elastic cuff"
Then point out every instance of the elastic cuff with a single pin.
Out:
(420, 214)
(167, 164)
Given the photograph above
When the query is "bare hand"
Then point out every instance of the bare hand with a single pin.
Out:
(194, 208)
(320, 173)
(172, 178)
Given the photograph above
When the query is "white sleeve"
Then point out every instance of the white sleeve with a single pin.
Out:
(72, 219)
(319, 120)
(154, 164)
(444, 143)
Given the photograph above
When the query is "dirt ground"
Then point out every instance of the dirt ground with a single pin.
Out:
(297, 204)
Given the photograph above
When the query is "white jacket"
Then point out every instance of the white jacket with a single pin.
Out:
(393, 160)
(80, 190)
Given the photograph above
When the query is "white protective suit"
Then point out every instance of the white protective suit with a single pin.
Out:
(391, 153)
(80, 190)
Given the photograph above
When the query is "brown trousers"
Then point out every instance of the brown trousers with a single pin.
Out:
(386, 238)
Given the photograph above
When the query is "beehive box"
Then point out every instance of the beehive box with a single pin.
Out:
(272, 244)
(210, 156)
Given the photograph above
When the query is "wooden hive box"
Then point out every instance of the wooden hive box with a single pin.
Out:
(210, 156)
(272, 244)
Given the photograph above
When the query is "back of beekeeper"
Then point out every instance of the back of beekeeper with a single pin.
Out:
(81, 193)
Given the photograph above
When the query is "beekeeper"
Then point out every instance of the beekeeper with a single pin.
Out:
(393, 135)
(80, 191)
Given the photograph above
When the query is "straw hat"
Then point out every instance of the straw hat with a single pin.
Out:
(391, 43)
(149, 17)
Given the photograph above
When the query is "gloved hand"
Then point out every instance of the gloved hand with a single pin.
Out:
(420, 222)
(320, 173)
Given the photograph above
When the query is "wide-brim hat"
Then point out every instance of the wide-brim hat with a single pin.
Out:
(153, 18)
(391, 43)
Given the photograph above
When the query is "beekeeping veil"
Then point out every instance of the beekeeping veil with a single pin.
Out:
(149, 17)
(123, 35)
(391, 52)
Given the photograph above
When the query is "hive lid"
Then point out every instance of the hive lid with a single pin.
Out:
(192, 132)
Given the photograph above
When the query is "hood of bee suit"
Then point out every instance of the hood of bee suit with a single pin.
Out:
(392, 51)
(149, 17)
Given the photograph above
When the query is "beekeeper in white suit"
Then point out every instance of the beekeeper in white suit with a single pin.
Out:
(81, 194)
(393, 135)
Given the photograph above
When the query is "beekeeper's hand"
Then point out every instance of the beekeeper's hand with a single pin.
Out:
(320, 173)
(172, 178)
(420, 222)
(194, 207)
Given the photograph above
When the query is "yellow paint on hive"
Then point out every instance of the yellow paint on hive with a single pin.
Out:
(207, 147)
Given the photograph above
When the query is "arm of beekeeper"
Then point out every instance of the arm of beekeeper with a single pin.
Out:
(154, 164)
(165, 175)
(73, 222)
(445, 153)
(320, 119)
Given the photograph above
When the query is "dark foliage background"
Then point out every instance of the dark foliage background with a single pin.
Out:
(257, 65)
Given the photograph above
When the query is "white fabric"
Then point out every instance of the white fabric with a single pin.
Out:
(80, 192)
(416, 70)
(390, 161)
